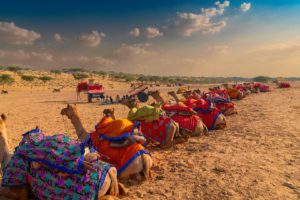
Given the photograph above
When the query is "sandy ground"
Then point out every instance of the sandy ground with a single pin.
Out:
(256, 157)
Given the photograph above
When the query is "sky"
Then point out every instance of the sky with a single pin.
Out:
(159, 37)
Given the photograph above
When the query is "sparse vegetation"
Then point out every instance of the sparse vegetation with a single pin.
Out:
(45, 78)
(14, 69)
(6, 79)
(80, 76)
(263, 79)
(55, 71)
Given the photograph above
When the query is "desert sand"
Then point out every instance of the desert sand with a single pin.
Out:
(256, 157)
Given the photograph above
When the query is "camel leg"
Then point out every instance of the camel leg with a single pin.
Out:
(142, 164)
(170, 136)
(220, 122)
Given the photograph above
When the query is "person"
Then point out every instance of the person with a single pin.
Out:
(111, 100)
(118, 99)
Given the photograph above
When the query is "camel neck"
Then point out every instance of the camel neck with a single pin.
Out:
(80, 130)
(4, 149)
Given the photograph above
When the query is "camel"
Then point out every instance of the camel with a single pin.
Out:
(172, 135)
(140, 165)
(282, 84)
(110, 186)
(4, 92)
(200, 127)
(220, 122)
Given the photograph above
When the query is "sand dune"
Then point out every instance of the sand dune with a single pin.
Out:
(256, 157)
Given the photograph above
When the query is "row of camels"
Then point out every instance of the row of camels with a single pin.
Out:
(125, 147)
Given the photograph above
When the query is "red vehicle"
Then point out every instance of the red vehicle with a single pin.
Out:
(92, 90)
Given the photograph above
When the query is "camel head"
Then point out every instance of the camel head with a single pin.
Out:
(130, 103)
(69, 111)
(220, 122)
(187, 94)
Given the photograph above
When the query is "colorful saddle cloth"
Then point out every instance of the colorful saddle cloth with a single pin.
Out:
(54, 154)
(156, 130)
(187, 122)
(108, 131)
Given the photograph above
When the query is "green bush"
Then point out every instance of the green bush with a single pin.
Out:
(28, 78)
(6, 79)
(263, 79)
(45, 78)
(14, 69)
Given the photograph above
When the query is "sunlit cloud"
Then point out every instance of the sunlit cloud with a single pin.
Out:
(92, 39)
(153, 32)
(245, 7)
(186, 24)
(12, 34)
(135, 32)
(58, 38)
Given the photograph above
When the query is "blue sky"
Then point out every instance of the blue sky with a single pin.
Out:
(197, 37)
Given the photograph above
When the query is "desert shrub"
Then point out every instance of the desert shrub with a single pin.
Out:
(80, 76)
(28, 78)
(55, 71)
(45, 78)
(14, 69)
(6, 79)
(263, 79)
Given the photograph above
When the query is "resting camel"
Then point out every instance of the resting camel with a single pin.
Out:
(140, 165)
(281, 84)
(220, 121)
(109, 187)
(162, 129)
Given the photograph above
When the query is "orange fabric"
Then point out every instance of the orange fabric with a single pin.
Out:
(114, 128)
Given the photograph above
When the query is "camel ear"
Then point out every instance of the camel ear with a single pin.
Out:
(68, 106)
(3, 117)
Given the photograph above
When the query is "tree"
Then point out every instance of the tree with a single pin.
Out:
(6, 79)
(45, 78)
(14, 69)
(28, 78)
(80, 76)
(263, 79)
(55, 72)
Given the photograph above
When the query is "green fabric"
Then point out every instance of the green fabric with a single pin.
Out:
(147, 113)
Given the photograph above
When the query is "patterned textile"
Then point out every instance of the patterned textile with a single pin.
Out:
(50, 179)
(156, 130)
(210, 118)
(187, 122)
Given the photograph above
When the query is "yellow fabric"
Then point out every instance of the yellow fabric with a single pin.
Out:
(146, 113)
(114, 128)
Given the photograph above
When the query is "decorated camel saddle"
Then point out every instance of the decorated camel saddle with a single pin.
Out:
(221, 100)
(55, 168)
(119, 140)
(153, 122)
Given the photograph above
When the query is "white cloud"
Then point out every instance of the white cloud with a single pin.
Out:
(153, 32)
(58, 38)
(135, 32)
(12, 34)
(245, 7)
(126, 50)
(21, 55)
(89, 62)
(188, 23)
(92, 39)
